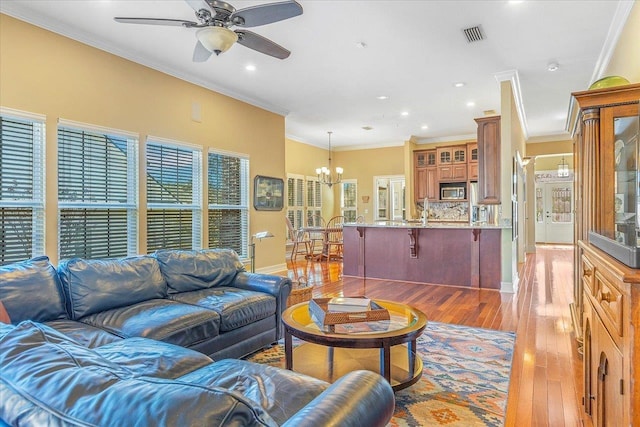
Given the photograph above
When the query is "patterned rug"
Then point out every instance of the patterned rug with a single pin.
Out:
(464, 381)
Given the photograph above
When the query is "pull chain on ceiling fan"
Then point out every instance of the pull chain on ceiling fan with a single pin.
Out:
(215, 19)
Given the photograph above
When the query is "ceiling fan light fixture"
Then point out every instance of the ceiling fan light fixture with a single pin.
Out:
(217, 39)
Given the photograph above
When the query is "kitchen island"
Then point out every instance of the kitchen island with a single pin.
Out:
(456, 254)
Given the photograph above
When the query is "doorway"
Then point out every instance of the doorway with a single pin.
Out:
(554, 212)
(389, 203)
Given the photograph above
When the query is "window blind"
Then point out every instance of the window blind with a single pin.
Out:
(228, 201)
(97, 194)
(21, 188)
(173, 196)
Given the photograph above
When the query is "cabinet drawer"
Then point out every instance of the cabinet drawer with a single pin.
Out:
(609, 300)
(588, 273)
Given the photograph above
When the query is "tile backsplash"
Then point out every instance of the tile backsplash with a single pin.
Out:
(449, 211)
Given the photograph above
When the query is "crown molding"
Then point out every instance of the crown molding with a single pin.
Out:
(433, 140)
(12, 8)
(615, 29)
(512, 76)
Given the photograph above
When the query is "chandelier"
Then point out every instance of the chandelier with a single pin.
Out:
(563, 169)
(324, 173)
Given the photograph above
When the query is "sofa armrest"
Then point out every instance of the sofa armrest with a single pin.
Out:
(278, 286)
(360, 398)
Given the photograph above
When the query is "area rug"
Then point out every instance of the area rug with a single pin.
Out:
(465, 377)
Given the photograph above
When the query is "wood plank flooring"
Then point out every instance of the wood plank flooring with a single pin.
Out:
(546, 371)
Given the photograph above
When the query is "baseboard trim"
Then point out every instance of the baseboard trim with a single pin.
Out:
(510, 287)
(272, 269)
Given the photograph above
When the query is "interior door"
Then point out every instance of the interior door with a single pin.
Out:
(554, 212)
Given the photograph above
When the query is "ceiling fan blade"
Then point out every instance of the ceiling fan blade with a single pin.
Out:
(198, 4)
(156, 21)
(200, 53)
(266, 13)
(261, 44)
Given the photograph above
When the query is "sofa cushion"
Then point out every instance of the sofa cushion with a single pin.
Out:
(159, 319)
(49, 381)
(30, 290)
(192, 270)
(280, 392)
(236, 307)
(153, 358)
(92, 286)
(83, 334)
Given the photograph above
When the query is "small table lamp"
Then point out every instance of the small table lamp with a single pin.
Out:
(259, 235)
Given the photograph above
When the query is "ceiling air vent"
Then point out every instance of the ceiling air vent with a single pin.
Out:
(367, 127)
(473, 34)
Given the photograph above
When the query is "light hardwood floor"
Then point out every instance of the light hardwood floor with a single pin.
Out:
(546, 371)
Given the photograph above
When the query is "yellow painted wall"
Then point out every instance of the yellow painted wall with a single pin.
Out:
(625, 60)
(49, 74)
(363, 165)
(548, 163)
(550, 147)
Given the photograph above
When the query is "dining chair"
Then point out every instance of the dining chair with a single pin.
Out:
(332, 243)
(297, 237)
(316, 237)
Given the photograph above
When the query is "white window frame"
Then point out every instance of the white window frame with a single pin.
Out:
(296, 212)
(244, 199)
(132, 183)
(196, 200)
(343, 209)
(36, 201)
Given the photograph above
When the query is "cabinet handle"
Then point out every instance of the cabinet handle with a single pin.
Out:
(606, 296)
(588, 272)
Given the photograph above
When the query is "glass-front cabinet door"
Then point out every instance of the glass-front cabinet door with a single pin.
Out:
(619, 127)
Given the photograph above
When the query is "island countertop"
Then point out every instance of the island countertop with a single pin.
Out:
(458, 254)
(432, 224)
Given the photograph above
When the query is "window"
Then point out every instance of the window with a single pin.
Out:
(228, 199)
(21, 186)
(295, 200)
(314, 201)
(348, 200)
(173, 196)
(97, 192)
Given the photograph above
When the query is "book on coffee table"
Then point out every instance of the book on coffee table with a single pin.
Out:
(349, 305)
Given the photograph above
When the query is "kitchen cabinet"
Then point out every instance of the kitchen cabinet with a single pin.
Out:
(472, 164)
(489, 166)
(425, 174)
(606, 308)
(452, 163)
(452, 173)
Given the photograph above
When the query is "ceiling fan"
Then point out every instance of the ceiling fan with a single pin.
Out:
(214, 19)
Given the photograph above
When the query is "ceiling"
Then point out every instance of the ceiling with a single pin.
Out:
(414, 52)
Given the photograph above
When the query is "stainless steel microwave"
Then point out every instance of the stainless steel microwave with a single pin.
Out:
(453, 193)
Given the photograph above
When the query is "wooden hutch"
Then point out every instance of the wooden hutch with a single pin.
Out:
(606, 291)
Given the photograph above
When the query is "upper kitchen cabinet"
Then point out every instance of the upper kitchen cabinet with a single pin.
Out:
(425, 173)
(472, 165)
(489, 160)
(452, 163)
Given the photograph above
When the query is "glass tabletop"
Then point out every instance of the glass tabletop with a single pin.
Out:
(403, 319)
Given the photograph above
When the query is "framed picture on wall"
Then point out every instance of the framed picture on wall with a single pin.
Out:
(268, 193)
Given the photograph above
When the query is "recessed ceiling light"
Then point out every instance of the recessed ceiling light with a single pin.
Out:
(459, 84)
(361, 45)
(250, 67)
(404, 113)
(382, 97)
(425, 127)
(553, 66)
(471, 104)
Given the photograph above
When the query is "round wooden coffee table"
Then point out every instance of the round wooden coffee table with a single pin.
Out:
(385, 346)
